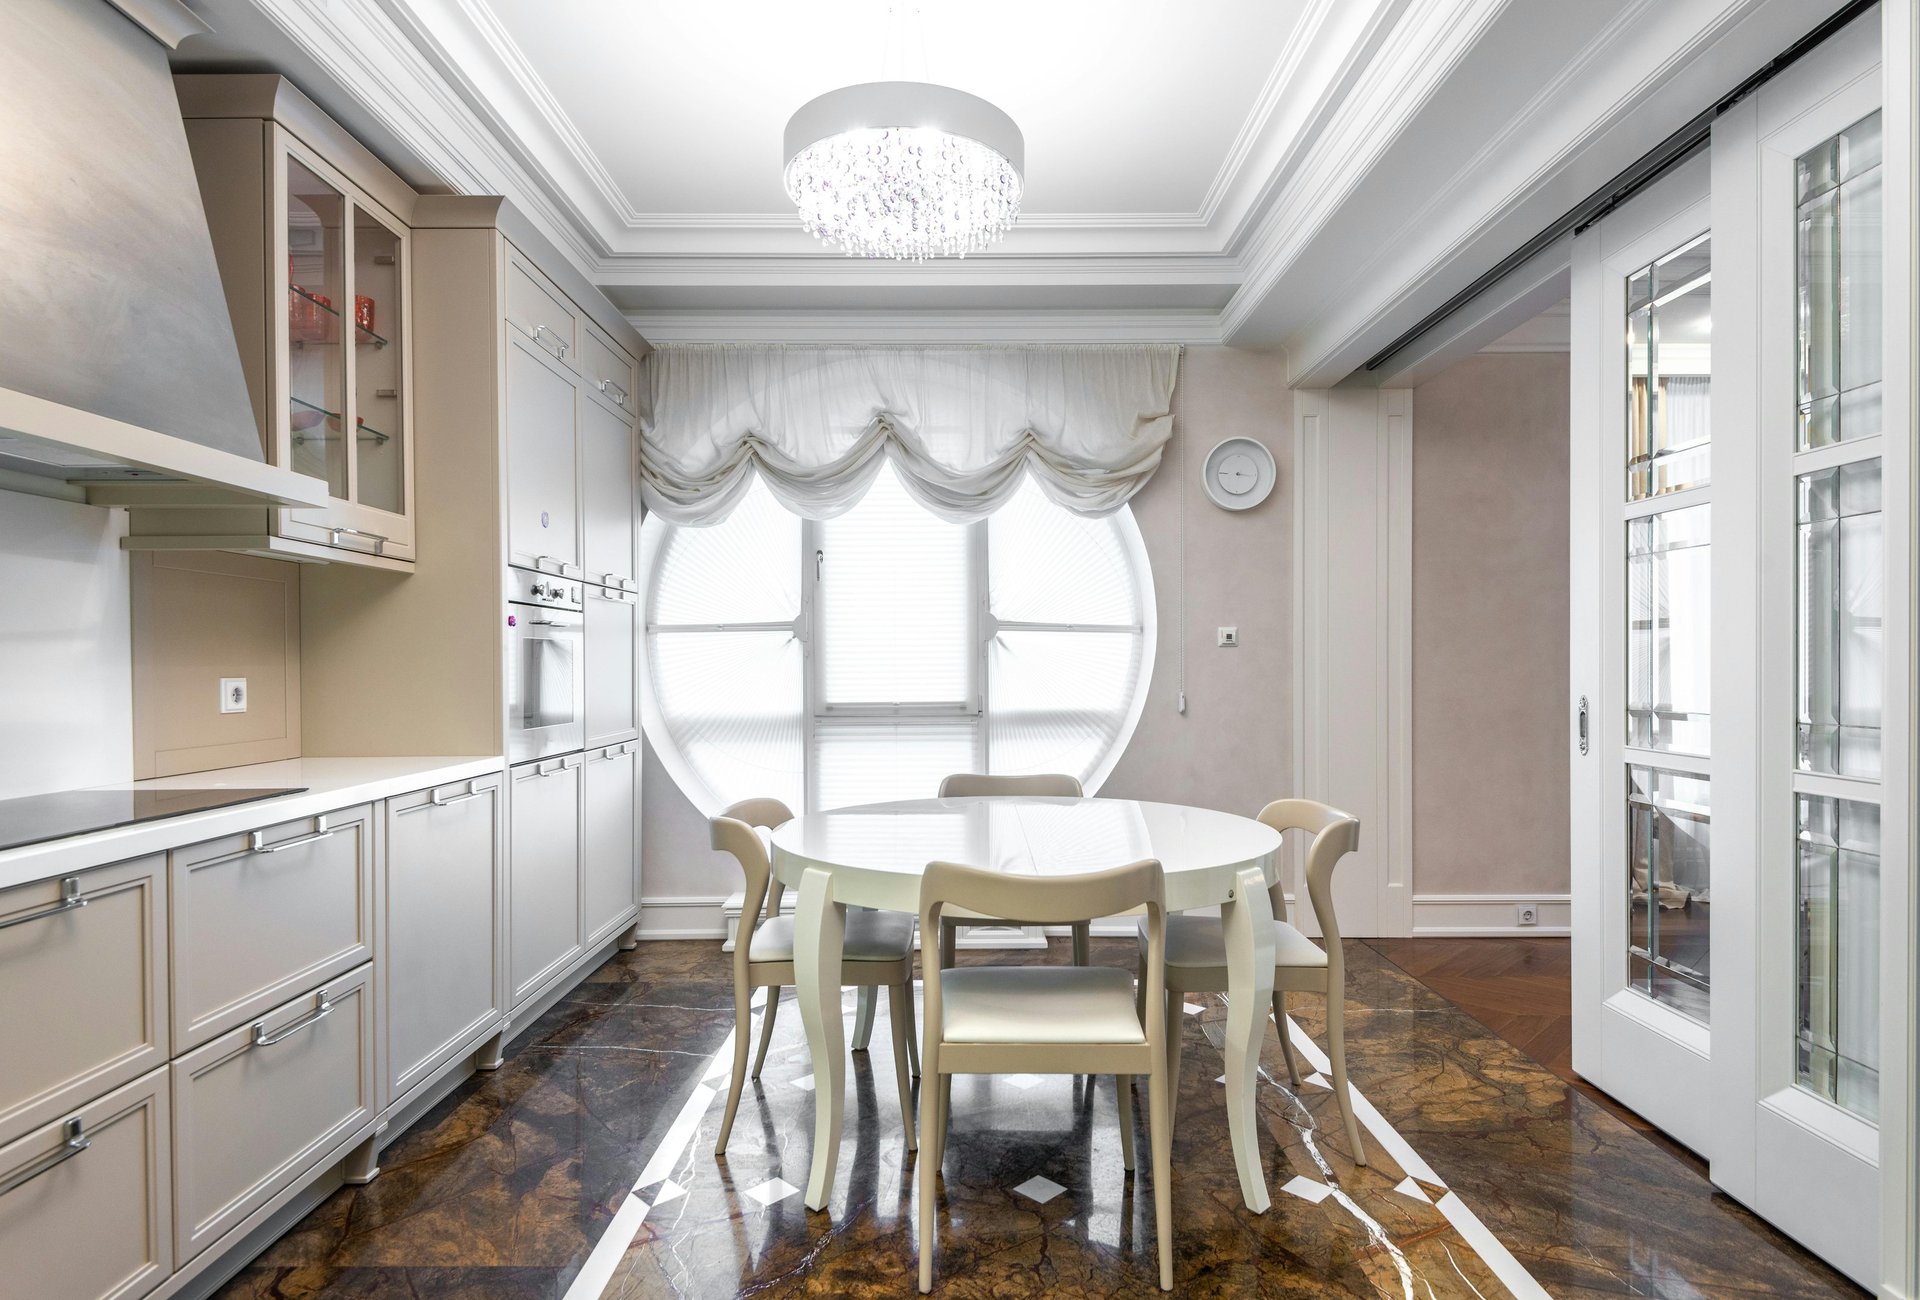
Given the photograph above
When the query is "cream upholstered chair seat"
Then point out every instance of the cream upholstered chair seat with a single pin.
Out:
(1199, 941)
(1024, 1004)
(871, 936)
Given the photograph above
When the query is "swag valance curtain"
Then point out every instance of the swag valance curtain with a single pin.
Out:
(959, 424)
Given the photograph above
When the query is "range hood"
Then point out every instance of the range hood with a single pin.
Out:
(119, 373)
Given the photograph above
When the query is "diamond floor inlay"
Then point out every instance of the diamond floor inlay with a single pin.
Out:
(1039, 1189)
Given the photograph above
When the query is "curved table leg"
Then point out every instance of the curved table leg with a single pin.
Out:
(1247, 919)
(819, 936)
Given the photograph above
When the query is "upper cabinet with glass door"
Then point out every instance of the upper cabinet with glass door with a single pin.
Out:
(317, 279)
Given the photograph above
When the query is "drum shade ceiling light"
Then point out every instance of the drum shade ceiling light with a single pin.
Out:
(904, 169)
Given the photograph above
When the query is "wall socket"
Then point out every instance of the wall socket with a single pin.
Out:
(233, 695)
(1228, 636)
(1527, 914)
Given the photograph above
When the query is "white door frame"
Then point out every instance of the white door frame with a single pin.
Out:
(1654, 1059)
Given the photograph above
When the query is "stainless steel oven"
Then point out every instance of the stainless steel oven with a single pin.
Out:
(546, 682)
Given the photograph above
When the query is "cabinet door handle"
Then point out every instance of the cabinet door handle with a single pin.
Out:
(70, 899)
(261, 1038)
(560, 565)
(76, 1142)
(257, 841)
(559, 344)
(619, 394)
(379, 540)
(435, 801)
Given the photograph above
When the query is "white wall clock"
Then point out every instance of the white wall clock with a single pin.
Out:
(1238, 474)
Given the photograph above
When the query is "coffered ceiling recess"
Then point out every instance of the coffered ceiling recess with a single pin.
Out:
(1312, 175)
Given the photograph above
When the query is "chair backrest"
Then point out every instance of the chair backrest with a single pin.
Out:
(733, 831)
(1335, 834)
(962, 785)
(1051, 900)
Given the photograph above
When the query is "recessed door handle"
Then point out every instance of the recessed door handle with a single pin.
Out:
(1585, 741)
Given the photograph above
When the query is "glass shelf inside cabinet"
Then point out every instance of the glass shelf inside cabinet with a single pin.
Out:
(300, 304)
(305, 416)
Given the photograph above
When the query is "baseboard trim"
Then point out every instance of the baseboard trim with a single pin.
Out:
(1475, 916)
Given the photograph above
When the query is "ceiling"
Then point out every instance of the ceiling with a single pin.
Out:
(1309, 176)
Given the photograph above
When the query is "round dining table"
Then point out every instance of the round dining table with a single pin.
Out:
(874, 855)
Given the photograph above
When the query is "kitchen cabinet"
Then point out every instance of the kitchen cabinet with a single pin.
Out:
(612, 622)
(260, 917)
(97, 942)
(442, 920)
(543, 923)
(609, 503)
(261, 1104)
(311, 235)
(86, 1202)
(609, 849)
(609, 372)
(543, 522)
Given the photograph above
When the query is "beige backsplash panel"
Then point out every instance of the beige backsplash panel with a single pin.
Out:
(199, 617)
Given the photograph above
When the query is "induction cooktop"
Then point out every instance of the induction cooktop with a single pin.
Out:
(42, 817)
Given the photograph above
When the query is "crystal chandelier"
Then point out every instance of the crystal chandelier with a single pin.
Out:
(904, 169)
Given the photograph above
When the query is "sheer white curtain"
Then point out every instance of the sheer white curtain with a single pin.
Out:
(959, 424)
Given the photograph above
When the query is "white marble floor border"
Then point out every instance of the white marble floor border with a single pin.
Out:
(624, 1228)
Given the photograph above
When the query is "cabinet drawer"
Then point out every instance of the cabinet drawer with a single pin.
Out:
(606, 368)
(85, 1202)
(541, 313)
(612, 625)
(258, 1106)
(260, 918)
(440, 979)
(83, 974)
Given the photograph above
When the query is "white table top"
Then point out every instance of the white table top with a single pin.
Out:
(877, 852)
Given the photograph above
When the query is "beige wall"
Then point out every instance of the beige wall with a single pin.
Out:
(1231, 749)
(1490, 710)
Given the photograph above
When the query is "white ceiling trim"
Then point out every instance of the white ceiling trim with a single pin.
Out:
(762, 326)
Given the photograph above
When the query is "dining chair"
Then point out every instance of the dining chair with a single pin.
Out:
(1046, 1019)
(1197, 951)
(1045, 785)
(878, 954)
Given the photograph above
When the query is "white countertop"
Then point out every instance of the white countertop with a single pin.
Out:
(330, 783)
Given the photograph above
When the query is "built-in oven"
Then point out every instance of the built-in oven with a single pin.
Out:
(546, 679)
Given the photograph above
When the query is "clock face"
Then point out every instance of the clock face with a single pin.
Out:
(1239, 473)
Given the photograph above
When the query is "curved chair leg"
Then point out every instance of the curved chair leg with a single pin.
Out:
(766, 1028)
(899, 1008)
(1176, 1025)
(1286, 1037)
(1123, 1089)
(913, 1027)
(946, 1110)
(949, 944)
(742, 1022)
(1337, 1054)
(929, 1167)
(1082, 942)
(1160, 1088)
(867, 997)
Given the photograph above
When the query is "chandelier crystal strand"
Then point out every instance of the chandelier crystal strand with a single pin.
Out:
(903, 192)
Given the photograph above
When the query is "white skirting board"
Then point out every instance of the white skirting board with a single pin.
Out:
(1466, 916)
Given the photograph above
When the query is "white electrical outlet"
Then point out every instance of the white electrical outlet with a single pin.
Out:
(1228, 636)
(1527, 914)
(233, 695)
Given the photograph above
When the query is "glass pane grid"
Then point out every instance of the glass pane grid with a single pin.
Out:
(1839, 620)
(1669, 897)
(1837, 894)
(1669, 372)
(1669, 630)
(1838, 241)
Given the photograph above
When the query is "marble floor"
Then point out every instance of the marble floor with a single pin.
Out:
(584, 1168)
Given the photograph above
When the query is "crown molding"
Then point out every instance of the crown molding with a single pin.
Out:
(1039, 326)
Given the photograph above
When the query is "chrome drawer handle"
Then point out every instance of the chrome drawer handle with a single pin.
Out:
(435, 801)
(257, 840)
(261, 1038)
(559, 564)
(70, 899)
(76, 1142)
(558, 342)
(619, 393)
(379, 540)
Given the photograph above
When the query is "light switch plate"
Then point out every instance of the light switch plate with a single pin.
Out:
(1228, 636)
(233, 695)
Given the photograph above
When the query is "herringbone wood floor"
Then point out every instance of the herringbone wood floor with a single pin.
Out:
(1522, 990)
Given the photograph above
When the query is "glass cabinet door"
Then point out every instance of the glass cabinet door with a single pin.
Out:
(316, 361)
(379, 451)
